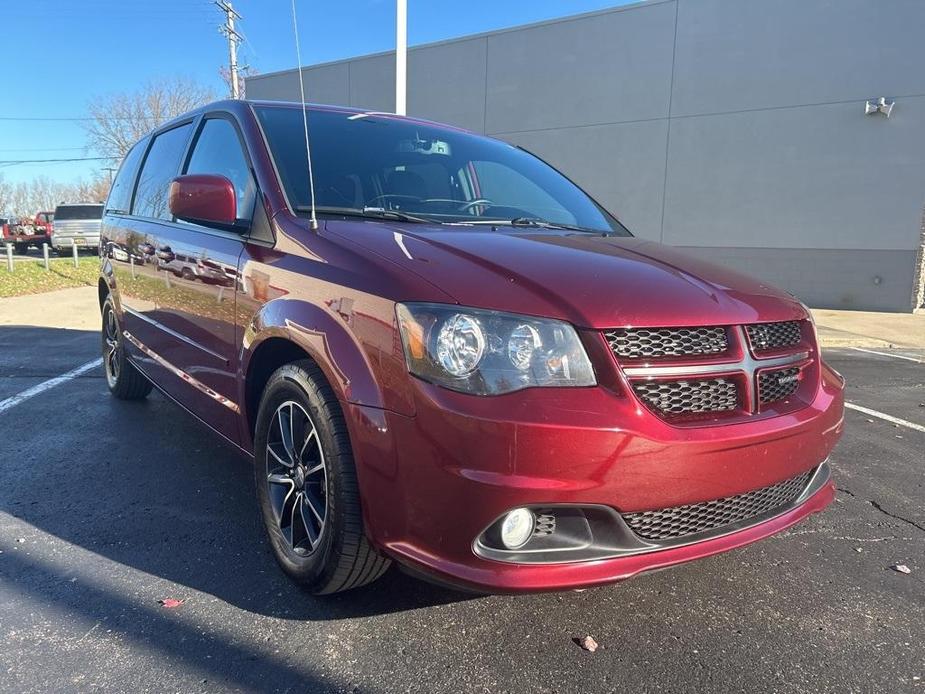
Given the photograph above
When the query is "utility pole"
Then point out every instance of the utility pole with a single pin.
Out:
(109, 170)
(401, 57)
(233, 39)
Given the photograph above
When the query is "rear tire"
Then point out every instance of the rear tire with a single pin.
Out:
(21, 248)
(124, 380)
(307, 484)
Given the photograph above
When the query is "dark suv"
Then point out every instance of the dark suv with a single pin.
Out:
(446, 354)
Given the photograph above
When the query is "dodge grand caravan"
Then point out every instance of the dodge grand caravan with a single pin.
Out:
(445, 354)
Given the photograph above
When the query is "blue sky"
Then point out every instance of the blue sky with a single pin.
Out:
(68, 52)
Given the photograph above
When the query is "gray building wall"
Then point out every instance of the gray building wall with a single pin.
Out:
(732, 128)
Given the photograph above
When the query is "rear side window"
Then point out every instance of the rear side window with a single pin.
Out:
(218, 151)
(66, 212)
(120, 197)
(161, 166)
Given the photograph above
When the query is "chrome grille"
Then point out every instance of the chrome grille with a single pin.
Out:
(691, 519)
(777, 385)
(643, 343)
(766, 337)
(688, 396)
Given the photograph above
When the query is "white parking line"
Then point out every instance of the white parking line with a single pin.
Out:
(887, 354)
(14, 400)
(885, 417)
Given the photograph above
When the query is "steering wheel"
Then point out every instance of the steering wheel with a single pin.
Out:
(466, 206)
(392, 196)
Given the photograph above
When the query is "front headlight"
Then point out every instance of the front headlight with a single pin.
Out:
(489, 352)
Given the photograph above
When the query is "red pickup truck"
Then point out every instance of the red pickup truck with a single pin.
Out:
(23, 233)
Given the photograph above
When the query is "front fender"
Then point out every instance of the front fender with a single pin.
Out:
(351, 358)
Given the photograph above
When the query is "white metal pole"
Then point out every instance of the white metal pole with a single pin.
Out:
(401, 57)
(74, 248)
(9, 257)
(45, 254)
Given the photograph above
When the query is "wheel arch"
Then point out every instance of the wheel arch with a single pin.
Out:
(288, 330)
(106, 283)
(102, 291)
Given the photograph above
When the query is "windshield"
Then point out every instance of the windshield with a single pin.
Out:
(372, 163)
(78, 212)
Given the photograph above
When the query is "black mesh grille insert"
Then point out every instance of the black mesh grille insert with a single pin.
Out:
(680, 521)
(777, 385)
(642, 343)
(688, 397)
(766, 337)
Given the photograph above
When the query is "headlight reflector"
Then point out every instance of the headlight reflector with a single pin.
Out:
(524, 341)
(460, 345)
(490, 352)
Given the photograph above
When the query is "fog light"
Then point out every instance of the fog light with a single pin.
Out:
(517, 528)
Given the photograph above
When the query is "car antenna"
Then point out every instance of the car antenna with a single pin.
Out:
(308, 151)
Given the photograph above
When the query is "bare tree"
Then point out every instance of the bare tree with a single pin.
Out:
(25, 198)
(244, 72)
(120, 120)
(95, 189)
(6, 196)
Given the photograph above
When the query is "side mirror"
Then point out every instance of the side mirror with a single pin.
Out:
(206, 199)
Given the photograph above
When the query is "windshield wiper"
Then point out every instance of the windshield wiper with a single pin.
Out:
(546, 224)
(368, 213)
(535, 222)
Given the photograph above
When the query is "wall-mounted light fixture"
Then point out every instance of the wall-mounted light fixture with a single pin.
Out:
(880, 105)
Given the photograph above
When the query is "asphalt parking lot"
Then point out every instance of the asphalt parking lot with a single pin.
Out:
(107, 507)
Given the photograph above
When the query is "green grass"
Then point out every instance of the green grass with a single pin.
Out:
(31, 277)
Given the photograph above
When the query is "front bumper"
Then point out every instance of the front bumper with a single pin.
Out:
(432, 483)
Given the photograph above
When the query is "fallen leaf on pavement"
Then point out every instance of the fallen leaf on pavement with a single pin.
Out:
(170, 602)
(587, 643)
(901, 568)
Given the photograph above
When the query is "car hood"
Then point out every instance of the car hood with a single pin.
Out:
(592, 281)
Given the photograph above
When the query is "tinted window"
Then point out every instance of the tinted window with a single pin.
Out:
(161, 166)
(218, 151)
(498, 182)
(120, 196)
(66, 212)
(438, 173)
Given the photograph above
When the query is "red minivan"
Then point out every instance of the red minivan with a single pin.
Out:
(440, 351)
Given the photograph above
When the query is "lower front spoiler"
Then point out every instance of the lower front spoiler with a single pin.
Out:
(500, 577)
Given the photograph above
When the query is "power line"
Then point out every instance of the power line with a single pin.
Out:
(42, 149)
(12, 162)
(55, 118)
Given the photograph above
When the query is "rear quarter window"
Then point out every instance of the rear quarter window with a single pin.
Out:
(120, 196)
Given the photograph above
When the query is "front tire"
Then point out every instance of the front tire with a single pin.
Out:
(307, 486)
(124, 380)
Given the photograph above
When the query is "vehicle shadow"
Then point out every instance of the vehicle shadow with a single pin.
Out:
(144, 485)
(214, 657)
